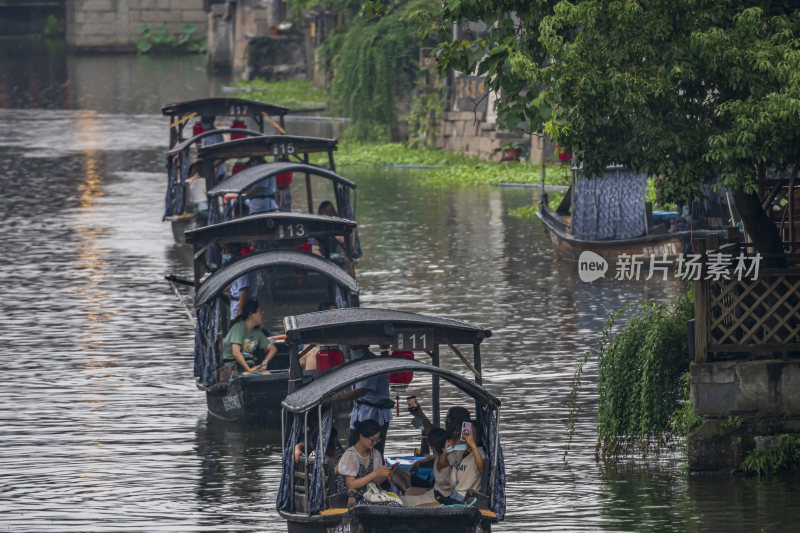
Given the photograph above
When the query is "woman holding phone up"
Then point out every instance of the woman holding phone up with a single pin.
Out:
(466, 465)
(463, 453)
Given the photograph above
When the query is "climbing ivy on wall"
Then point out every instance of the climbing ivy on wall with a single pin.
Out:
(639, 384)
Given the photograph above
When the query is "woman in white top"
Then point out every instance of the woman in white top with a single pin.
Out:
(362, 463)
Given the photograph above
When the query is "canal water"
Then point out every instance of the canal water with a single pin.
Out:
(101, 426)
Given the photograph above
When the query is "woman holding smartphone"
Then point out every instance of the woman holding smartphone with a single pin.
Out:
(362, 463)
(466, 465)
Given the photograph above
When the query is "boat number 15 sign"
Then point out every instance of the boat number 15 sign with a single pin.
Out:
(413, 340)
(283, 149)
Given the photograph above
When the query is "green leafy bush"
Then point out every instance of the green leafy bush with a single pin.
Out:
(423, 119)
(52, 27)
(639, 379)
(773, 460)
(685, 418)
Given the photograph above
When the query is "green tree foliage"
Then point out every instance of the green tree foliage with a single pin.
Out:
(691, 90)
(372, 58)
(374, 64)
(639, 384)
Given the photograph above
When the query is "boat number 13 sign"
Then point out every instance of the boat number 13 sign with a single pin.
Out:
(413, 340)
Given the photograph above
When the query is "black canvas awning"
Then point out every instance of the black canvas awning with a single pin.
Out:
(221, 106)
(223, 277)
(365, 325)
(270, 226)
(346, 375)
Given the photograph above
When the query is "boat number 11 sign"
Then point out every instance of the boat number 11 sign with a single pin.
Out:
(413, 340)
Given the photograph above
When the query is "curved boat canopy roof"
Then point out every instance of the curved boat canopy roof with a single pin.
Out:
(222, 106)
(268, 145)
(188, 142)
(363, 325)
(270, 226)
(223, 277)
(241, 181)
(326, 386)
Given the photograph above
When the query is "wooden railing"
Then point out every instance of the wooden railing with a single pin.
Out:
(748, 317)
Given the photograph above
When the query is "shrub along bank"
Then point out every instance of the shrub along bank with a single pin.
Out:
(641, 383)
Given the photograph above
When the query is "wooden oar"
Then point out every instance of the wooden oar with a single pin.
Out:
(171, 282)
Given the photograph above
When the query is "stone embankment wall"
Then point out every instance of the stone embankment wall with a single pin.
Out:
(472, 134)
(115, 25)
(745, 405)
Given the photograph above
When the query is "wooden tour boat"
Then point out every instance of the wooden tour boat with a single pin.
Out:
(610, 217)
(185, 196)
(194, 172)
(288, 281)
(305, 498)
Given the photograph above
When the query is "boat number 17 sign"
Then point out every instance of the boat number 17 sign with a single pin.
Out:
(413, 340)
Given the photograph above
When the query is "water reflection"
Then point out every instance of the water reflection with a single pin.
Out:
(233, 464)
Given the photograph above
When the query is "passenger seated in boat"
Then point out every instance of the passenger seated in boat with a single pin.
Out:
(330, 245)
(207, 122)
(421, 497)
(333, 450)
(372, 401)
(467, 464)
(261, 196)
(362, 463)
(244, 341)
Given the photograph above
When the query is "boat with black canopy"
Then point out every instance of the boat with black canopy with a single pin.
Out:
(334, 238)
(232, 193)
(238, 110)
(286, 282)
(610, 216)
(191, 173)
(228, 199)
(305, 497)
(185, 198)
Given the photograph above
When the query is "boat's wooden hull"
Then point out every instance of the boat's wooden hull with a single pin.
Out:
(181, 225)
(392, 520)
(251, 399)
(569, 247)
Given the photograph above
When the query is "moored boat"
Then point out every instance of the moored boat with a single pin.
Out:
(611, 217)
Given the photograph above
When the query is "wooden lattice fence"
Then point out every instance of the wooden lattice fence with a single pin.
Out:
(738, 318)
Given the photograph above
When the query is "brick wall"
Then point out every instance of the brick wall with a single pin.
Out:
(115, 25)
